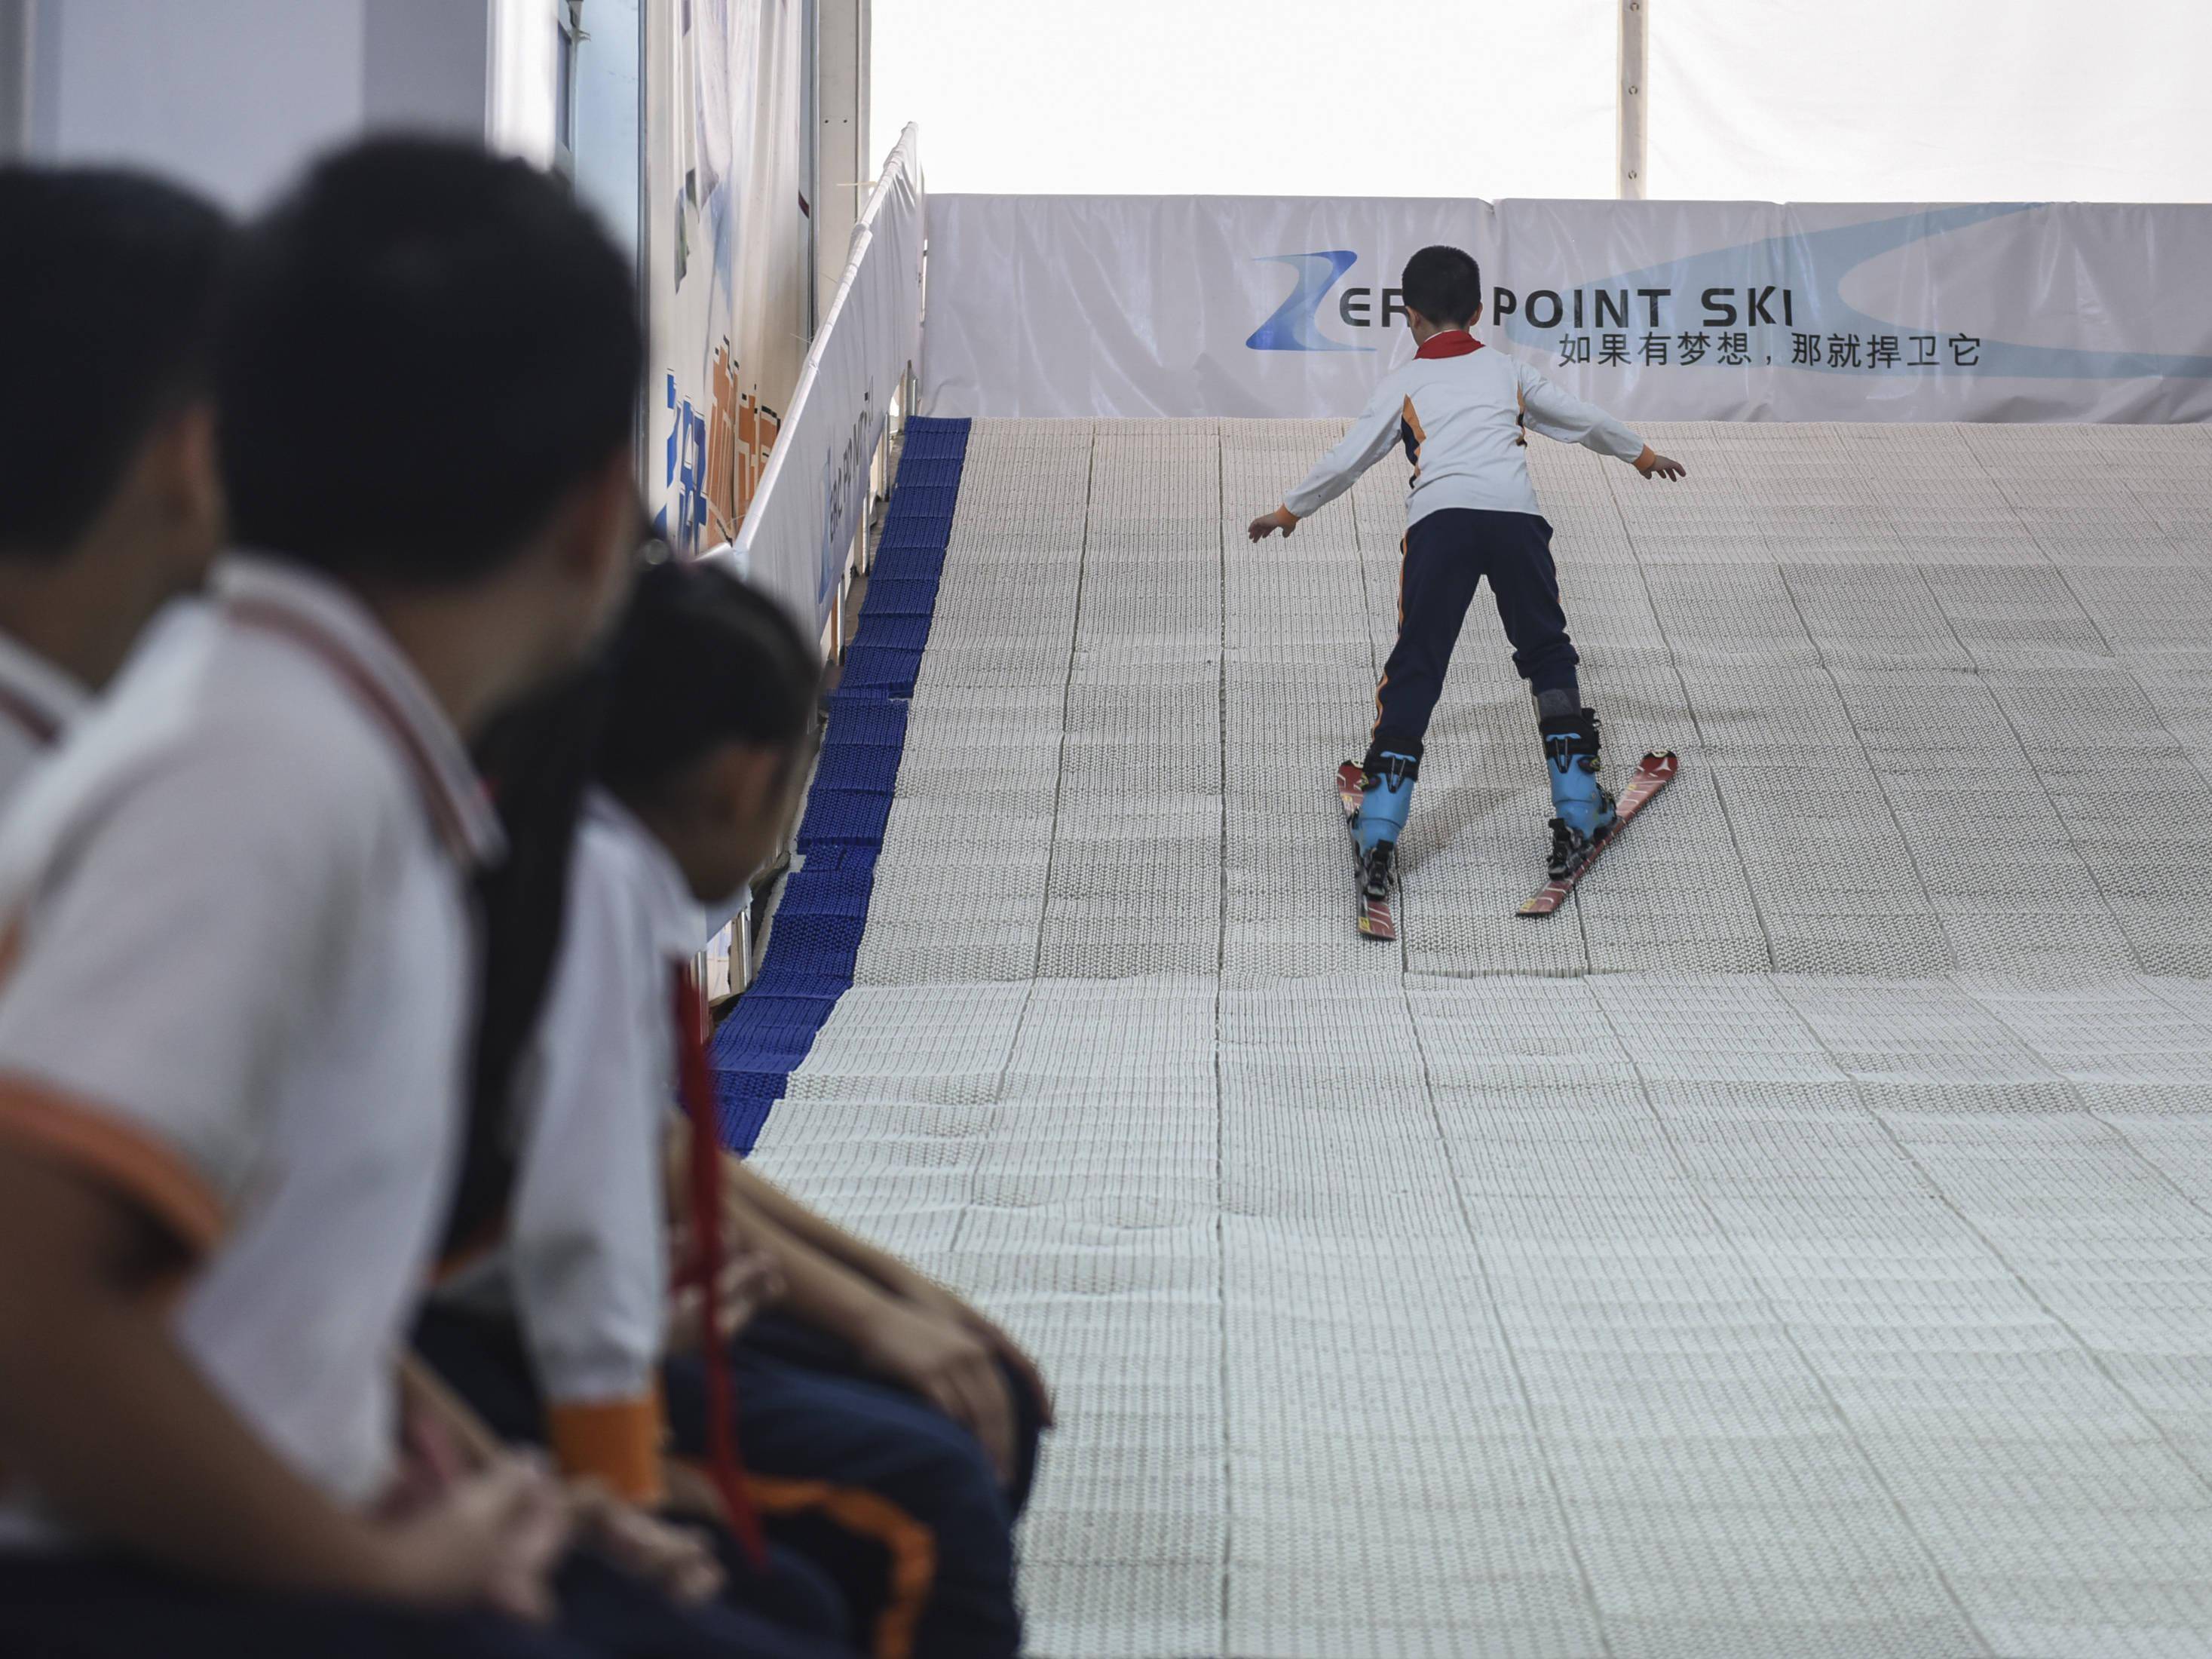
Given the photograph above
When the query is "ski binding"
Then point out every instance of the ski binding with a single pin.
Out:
(1653, 773)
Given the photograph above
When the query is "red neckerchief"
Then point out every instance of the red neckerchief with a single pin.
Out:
(1452, 342)
(704, 1269)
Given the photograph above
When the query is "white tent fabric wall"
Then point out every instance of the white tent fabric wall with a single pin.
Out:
(1800, 1245)
(2029, 100)
(1269, 97)
(1845, 101)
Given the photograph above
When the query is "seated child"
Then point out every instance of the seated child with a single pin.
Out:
(709, 705)
(109, 501)
(237, 901)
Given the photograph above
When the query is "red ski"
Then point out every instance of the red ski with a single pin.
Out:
(1375, 919)
(1653, 773)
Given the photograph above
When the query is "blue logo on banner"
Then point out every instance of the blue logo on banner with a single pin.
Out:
(1292, 326)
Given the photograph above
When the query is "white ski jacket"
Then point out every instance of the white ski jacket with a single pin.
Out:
(1460, 411)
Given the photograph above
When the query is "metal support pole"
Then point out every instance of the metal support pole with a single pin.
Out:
(843, 166)
(18, 43)
(1634, 92)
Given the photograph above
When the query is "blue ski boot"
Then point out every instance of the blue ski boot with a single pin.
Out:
(1584, 809)
(1383, 809)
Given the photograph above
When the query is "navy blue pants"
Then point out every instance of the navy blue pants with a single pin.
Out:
(104, 1608)
(482, 1357)
(890, 1505)
(898, 1502)
(1447, 554)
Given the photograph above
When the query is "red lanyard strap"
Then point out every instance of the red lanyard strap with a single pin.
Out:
(704, 1268)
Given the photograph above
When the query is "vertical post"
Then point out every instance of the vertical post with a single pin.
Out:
(1633, 93)
(841, 110)
(18, 24)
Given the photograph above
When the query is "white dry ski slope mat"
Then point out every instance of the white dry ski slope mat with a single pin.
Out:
(1802, 1244)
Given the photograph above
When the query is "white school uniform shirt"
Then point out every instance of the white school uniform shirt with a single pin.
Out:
(39, 701)
(1460, 410)
(585, 1259)
(241, 976)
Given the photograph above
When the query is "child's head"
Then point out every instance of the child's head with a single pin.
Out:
(108, 285)
(1442, 287)
(428, 371)
(713, 699)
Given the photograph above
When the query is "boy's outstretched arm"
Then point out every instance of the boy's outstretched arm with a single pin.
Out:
(1369, 441)
(1560, 415)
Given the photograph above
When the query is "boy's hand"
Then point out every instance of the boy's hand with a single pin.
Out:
(1267, 523)
(1652, 464)
(491, 1540)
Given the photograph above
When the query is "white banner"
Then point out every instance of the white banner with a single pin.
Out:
(798, 536)
(726, 257)
(1251, 305)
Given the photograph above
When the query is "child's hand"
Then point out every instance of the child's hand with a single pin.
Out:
(491, 1540)
(750, 1280)
(676, 1562)
(1267, 523)
(1652, 464)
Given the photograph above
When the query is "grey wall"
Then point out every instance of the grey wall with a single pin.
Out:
(426, 64)
(230, 94)
(235, 95)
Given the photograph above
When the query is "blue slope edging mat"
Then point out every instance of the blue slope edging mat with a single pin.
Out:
(816, 939)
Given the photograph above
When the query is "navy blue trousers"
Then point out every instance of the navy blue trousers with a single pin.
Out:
(482, 1357)
(1447, 554)
(899, 1503)
(893, 1507)
(75, 1608)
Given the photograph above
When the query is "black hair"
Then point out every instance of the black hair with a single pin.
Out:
(108, 290)
(702, 659)
(536, 758)
(1444, 284)
(425, 347)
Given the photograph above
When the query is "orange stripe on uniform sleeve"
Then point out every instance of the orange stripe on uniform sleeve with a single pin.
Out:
(616, 1441)
(98, 1143)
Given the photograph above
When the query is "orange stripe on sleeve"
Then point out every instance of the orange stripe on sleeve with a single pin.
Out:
(97, 1143)
(616, 1442)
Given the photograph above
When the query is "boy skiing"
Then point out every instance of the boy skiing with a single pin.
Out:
(1460, 413)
